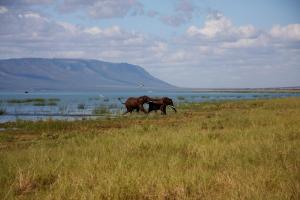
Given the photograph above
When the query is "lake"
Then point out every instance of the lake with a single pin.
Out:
(82, 105)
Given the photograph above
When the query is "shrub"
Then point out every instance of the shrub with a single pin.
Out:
(181, 98)
(2, 111)
(81, 106)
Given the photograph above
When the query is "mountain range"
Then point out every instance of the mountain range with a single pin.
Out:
(73, 74)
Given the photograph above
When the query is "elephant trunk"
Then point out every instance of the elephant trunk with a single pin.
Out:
(174, 108)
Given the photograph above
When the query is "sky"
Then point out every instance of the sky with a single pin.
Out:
(187, 43)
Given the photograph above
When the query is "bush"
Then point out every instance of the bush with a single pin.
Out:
(81, 106)
(181, 98)
(2, 111)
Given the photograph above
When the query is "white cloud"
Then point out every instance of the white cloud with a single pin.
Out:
(138, 39)
(70, 54)
(111, 54)
(242, 43)
(260, 41)
(93, 30)
(69, 27)
(113, 31)
(159, 47)
(178, 56)
(32, 15)
(48, 38)
(192, 31)
(3, 9)
(217, 25)
(289, 32)
(247, 31)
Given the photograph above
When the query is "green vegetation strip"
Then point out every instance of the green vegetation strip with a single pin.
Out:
(35, 101)
(226, 150)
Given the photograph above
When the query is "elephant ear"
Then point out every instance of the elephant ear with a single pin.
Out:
(146, 99)
(166, 101)
(140, 99)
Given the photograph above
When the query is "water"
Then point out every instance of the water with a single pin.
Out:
(80, 105)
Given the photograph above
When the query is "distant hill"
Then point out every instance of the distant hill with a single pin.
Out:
(73, 74)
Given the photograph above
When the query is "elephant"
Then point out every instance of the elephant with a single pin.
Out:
(133, 103)
(161, 104)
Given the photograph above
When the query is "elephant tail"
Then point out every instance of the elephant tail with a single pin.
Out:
(120, 100)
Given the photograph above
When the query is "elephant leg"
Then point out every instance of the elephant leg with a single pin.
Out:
(125, 112)
(150, 107)
(129, 109)
(142, 109)
(163, 109)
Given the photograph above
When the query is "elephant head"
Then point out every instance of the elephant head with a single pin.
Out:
(167, 101)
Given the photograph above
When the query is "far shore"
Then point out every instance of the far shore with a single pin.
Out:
(175, 89)
(248, 90)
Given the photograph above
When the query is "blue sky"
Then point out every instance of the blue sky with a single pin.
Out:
(188, 43)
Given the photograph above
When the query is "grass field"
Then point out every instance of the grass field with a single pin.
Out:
(220, 150)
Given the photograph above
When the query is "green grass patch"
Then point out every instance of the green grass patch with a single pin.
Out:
(212, 150)
(35, 101)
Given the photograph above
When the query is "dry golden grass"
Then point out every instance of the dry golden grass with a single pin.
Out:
(225, 150)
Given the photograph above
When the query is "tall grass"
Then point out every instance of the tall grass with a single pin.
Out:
(225, 150)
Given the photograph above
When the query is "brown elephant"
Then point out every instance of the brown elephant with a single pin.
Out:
(161, 104)
(133, 103)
